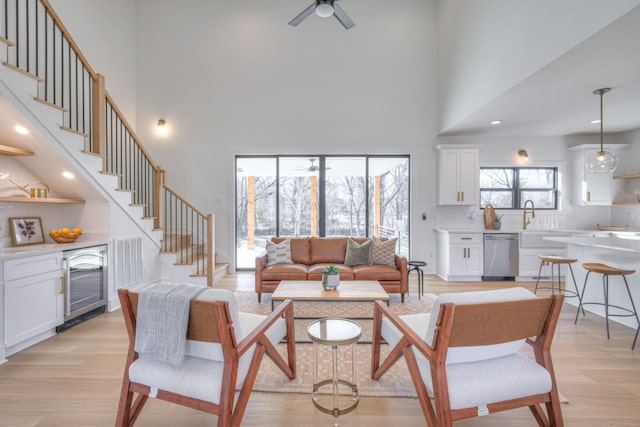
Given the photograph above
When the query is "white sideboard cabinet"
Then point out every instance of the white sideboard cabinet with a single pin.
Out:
(33, 299)
(458, 174)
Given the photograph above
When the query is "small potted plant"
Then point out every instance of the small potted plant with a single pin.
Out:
(497, 223)
(330, 278)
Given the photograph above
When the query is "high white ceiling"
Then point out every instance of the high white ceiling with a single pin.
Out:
(558, 100)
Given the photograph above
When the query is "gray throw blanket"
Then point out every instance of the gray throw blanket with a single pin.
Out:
(162, 320)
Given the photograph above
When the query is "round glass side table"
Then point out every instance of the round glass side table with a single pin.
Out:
(334, 332)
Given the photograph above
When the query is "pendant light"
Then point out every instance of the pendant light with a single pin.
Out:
(602, 161)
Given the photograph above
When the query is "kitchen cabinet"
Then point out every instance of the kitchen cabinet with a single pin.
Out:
(33, 299)
(460, 256)
(458, 174)
(592, 189)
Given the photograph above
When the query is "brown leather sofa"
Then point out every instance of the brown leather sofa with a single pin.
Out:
(311, 255)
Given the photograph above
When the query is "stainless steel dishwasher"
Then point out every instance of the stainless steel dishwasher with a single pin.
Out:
(500, 256)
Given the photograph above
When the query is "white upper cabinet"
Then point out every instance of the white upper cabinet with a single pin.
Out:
(458, 174)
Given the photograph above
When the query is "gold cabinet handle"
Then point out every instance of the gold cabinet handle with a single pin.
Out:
(62, 285)
(466, 238)
(462, 196)
(588, 196)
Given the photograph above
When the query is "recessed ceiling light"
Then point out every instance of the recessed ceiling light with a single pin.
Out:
(496, 122)
(595, 122)
(21, 130)
(68, 175)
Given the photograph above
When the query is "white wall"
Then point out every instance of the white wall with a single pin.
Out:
(233, 78)
(486, 47)
(105, 33)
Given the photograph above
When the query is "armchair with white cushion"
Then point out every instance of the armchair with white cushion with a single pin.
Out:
(223, 351)
(466, 354)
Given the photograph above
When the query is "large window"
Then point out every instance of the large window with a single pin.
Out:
(509, 188)
(325, 196)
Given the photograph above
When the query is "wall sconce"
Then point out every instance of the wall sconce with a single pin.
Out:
(523, 156)
(161, 127)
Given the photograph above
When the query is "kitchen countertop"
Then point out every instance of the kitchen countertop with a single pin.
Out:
(45, 248)
(620, 241)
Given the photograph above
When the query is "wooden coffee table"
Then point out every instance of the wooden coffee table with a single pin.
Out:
(312, 290)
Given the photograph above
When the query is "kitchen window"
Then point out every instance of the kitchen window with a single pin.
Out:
(509, 188)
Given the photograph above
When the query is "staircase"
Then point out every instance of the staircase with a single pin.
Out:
(46, 76)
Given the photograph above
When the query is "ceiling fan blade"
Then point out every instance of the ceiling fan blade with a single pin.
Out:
(342, 17)
(303, 15)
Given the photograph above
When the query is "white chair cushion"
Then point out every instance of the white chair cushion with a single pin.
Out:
(417, 322)
(196, 377)
(488, 381)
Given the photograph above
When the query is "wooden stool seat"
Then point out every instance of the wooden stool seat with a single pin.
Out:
(596, 267)
(556, 259)
(606, 271)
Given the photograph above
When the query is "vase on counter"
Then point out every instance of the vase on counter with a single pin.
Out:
(497, 225)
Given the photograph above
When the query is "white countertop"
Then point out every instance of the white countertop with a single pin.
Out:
(623, 241)
(45, 248)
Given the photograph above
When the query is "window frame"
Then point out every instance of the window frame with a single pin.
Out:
(516, 190)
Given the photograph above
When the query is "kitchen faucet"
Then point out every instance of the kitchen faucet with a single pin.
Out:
(525, 221)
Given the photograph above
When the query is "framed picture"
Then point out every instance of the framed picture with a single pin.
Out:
(26, 231)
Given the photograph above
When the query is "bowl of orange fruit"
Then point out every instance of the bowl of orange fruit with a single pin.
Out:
(65, 235)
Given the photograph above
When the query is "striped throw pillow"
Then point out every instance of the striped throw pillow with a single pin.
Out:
(279, 253)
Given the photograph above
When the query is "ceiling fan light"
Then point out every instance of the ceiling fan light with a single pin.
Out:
(324, 9)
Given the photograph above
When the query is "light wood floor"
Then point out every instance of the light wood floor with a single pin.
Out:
(73, 379)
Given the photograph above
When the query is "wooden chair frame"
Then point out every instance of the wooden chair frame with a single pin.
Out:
(471, 325)
(210, 322)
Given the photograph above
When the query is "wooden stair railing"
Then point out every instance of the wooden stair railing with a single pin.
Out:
(39, 45)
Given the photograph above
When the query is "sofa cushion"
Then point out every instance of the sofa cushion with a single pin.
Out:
(299, 249)
(384, 251)
(376, 272)
(279, 253)
(358, 253)
(328, 250)
(315, 271)
(285, 272)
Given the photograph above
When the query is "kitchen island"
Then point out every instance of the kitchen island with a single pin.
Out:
(621, 250)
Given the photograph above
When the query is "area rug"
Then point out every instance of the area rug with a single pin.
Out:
(394, 383)
(360, 312)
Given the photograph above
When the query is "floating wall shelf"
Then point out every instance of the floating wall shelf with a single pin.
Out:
(635, 175)
(41, 200)
(12, 151)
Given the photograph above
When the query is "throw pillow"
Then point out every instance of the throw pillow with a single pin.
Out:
(279, 253)
(358, 254)
(384, 251)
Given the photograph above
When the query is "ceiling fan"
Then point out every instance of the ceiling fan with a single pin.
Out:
(312, 168)
(324, 9)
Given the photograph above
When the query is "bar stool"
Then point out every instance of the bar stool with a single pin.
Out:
(558, 260)
(417, 267)
(607, 271)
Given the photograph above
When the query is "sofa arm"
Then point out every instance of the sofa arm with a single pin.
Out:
(261, 264)
(401, 264)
